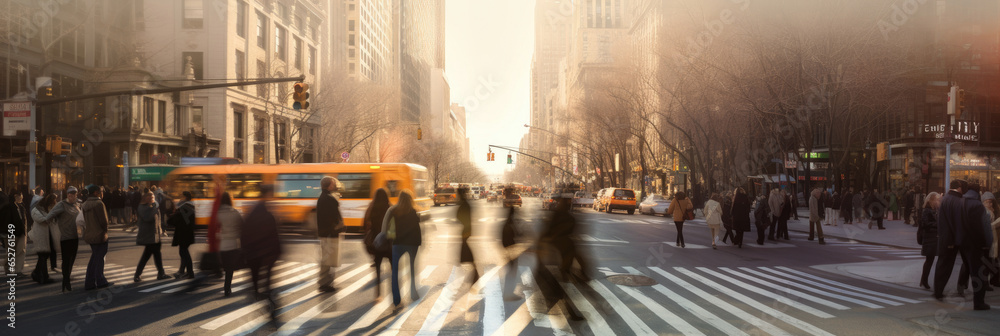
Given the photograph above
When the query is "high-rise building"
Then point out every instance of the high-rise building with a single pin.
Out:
(551, 28)
(420, 33)
(369, 40)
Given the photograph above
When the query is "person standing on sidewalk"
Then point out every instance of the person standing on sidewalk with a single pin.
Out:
(95, 233)
(775, 203)
(678, 209)
(44, 233)
(815, 216)
(329, 225)
(927, 235)
(230, 230)
(877, 208)
(834, 208)
(713, 217)
(741, 215)
(64, 215)
(786, 211)
(962, 231)
(847, 206)
(908, 206)
(828, 215)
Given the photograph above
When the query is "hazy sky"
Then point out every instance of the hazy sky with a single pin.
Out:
(488, 46)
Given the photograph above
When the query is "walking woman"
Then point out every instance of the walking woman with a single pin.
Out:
(43, 234)
(741, 215)
(230, 225)
(464, 217)
(993, 211)
(727, 219)
(713, 217)
(372, 227)
(406, 224)
(183, 222)
(678, 209)
(927, 235)
(149, 236)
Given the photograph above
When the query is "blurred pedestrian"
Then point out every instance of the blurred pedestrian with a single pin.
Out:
(149, 236)
(776, 203)
(989, 202)
(464, 216)
(741, 215)
(762, 217)
(329, 225)
(994, 209)
(927, 235)
(166, 205)
(786, 212)
(183, 221)
(135, 198)
(858, 204)
(44, 233)
(727, 218)
(64, 215)
(847, 206)
(39, 193)
(893, 202)
(261, 247)
(402, 224)
(827, 200)
(10, 214)
(230, 230)
(372, 227)
(679, 208)
(508, 239)
(713, 217)
(562, 233)
(815, 216)
(95, 233)
(962, 230)
(835, 202)
(877, 208)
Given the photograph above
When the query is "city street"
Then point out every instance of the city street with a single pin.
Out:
(785, 288)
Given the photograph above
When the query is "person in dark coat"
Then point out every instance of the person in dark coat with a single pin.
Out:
(464, 216)
(10, 214)
(329, 225)
(261, 247)
(508, 238)
(372, 227)
(740, 210)
(908, 206)
(962, 231)
(847, 206)
(95, 233)
(927, 235)
(727, 219)
(183, 221)
(149, 237)
(407, 240)
(64, 214)
(877, 208)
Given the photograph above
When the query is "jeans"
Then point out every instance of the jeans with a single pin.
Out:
(397, 253)
(187, 264)
(154, 251)
(95, 268)
(69, 248)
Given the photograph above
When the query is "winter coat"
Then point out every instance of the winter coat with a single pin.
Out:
(893, 204)
(678, 208)
(10, 214)
(908, 200)
(877, 206)
(713, 213)
(776, 203)
(961, 222)
(329, 222)
(183, 221)
(727, 213)
(927, 234)
(43, 233)
(25, 216)
(407, 227)
(837, 199)
(230, 228)
(814, 206)
(994, 226)
(741, 212)
(374, 216)
(858, 202)
(95, 217)
(259, 235)
(847, 202)
(64, 216)
(148, 224)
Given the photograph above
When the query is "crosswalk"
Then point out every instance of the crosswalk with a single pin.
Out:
(734, 300)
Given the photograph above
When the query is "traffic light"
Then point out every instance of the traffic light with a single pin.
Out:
(510, 159)
(420, 133)
(490, 156)
(48, 91)
(301, 96)
(53, 144)
(960, 103)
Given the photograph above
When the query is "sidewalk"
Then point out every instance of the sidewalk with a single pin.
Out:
(896, 233)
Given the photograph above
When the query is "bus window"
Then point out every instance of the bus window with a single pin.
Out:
(355, 185)
(244, 185)
(200, 186)
(298, 185)
(393, 187)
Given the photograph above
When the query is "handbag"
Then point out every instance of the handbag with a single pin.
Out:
(383, 241)
(689, 214)
(210, 262)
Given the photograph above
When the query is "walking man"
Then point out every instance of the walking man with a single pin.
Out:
(962, 230)
(907, 205)
(815, 216)
(776, 203)
(95, 233)
(329, 224)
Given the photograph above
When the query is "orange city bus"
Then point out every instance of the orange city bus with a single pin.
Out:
(297, 187)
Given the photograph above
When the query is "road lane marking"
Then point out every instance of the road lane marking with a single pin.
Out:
(378, 309)
(493, 309)
(778, 286)
(439, 311)
(696, 310)
(634, 322)
(298, 321)
(780, 298)
(690, 246)
(810, 289)
(548, 318)
(836, 283)
(598, 325)
(809, 328)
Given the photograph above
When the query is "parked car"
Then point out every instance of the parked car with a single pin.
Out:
(512, 200)
(654, 204)
(444, 196)
(618, 199)
(584, 199)
(550, 201)
(492, 197)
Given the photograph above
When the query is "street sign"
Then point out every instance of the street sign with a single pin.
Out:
(345, 156)
(16, 117)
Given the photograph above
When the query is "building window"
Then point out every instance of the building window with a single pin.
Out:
(279, 43)
(178, 120)
(312, 61)
(282, 90)
(350, 25)
(313, 33)
(196, 122)
(282, 11)
(239, 131)
(350, 53)
(298, 53)
(161, 116)
(350, 40)
(241, 68)
(261, 73)
(261, 30)
(194, 14)
(300, 24)
(147, 113)
(196, 63)
(260, 137)
(241, 19)
(280, 141)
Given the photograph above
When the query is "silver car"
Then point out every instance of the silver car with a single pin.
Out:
(653, 205)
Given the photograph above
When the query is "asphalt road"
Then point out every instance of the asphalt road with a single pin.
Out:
(780, 288)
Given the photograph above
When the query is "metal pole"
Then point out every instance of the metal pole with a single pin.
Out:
(33, 149)
(947, 154)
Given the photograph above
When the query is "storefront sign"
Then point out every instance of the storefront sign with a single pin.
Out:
(962, 130)
(16, 117)
(149, 173)
(821, 155)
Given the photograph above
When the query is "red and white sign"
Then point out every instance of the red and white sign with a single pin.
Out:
(16, 117)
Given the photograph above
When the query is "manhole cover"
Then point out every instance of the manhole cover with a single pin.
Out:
(631, 280)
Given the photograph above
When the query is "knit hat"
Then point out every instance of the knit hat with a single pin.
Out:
(71, 190)
(988, 196)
